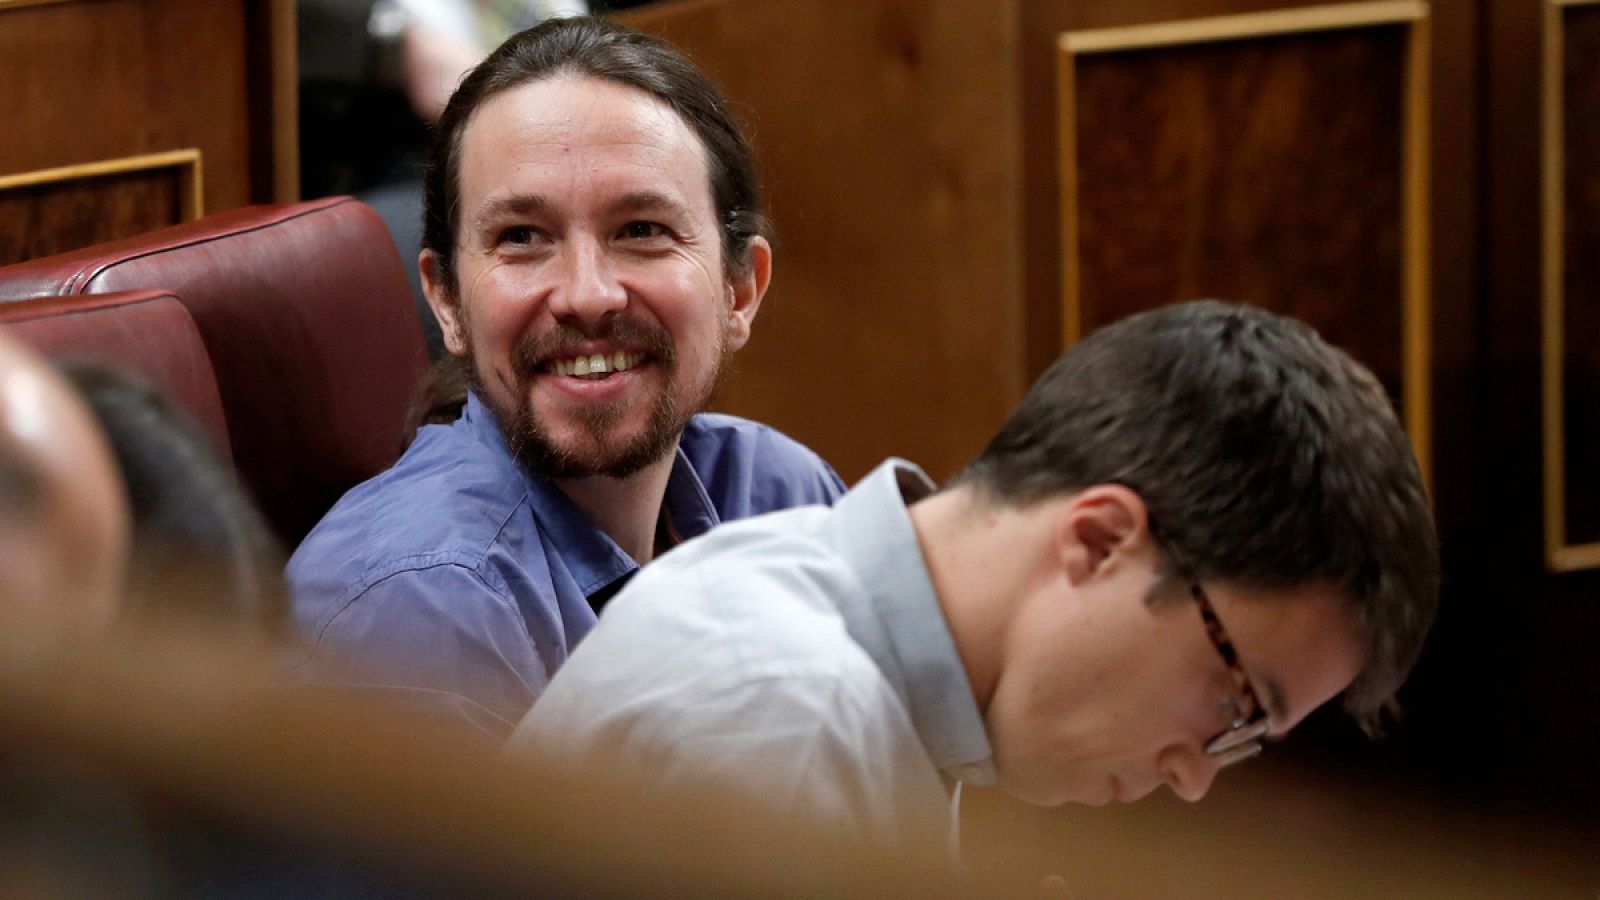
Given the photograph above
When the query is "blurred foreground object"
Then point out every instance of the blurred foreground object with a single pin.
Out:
(1279, 831)
(194, 719)
(197, 537)
(294, 782)
(63, 513)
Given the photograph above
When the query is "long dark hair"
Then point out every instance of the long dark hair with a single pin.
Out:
(596, 48)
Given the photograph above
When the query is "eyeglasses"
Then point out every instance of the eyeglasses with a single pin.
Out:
(1241, 740)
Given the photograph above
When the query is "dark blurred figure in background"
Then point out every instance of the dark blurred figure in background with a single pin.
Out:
(200, 546)
(119, 522)
(374, 76)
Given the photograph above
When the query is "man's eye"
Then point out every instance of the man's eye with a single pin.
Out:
(641, 231)
(518, 234)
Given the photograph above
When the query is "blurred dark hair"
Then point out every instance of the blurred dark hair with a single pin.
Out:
(1263, 455)
(595, 48)
(20, 490)
(200, 546)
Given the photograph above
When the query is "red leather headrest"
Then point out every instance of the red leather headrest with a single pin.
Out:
(311, 329)
(145, 332)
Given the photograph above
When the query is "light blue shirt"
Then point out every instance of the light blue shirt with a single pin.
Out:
(801, 657)
(456, 582)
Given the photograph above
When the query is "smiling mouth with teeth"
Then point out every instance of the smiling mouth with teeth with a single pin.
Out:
(595, 367)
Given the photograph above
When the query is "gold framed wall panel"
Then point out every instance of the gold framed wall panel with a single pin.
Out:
(1570, 270)
(107, 79)
(59, 209)
(1217, 133)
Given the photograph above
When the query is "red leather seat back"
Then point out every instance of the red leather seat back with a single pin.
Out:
(305, 311)
(146, 332)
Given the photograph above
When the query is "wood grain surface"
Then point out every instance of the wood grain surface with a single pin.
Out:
(85, 82)
(1264, 170)
(889, 146)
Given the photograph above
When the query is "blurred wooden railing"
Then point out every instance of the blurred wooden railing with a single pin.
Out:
(201, 722)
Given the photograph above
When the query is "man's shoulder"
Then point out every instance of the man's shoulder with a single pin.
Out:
(731, 654)
(743, 461)
(447, 501)
(764, 590)
(712, 432)
(752, 603)
(780, 541)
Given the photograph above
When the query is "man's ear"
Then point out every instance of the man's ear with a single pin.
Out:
(746, 288)
(1098, 529)
(442, 299)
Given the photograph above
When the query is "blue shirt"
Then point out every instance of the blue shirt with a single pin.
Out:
(461, 583)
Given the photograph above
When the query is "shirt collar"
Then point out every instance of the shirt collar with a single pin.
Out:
(590, 555)
(901, 624)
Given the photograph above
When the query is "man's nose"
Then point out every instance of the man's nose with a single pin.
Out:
(591, 290)
(1188, 771)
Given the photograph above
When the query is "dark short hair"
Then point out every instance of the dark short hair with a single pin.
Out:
(200, 547)
(595, 48)
(1263, 455)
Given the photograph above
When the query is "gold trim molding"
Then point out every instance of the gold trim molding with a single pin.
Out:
(1416, 317)
(1248, 25)
(18, 4)
(191, 200)
(1560, 555)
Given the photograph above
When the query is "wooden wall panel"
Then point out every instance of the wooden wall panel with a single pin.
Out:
(92, 82)
(1572, 285)
(889, 151)
(1043, 22)
(1536, 708)
(63, 209)
(1503, 704)
(1263, 171)
(1269, 159)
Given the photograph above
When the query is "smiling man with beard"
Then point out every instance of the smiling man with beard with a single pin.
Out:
(595, 252)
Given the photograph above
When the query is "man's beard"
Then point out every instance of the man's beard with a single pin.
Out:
(538, 452)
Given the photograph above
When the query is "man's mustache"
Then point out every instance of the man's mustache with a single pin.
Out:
(631, 335)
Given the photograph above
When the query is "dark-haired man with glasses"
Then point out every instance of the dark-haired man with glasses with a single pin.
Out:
(1201, 524)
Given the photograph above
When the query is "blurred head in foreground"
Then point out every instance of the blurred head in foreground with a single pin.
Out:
(64, 519)
(200, 548)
